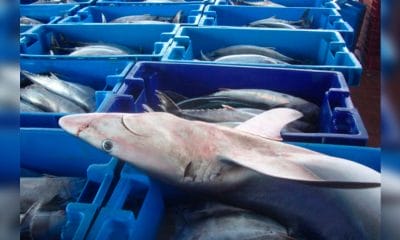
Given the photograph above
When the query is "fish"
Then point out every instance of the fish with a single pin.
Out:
(267, 99)
(248, 50)
(264, 3)
(27, 107)
(149, 19)
(248, 58)
(37, 223)
(316, 196)
(81, 95)
(48, 101)
(98, 50)
(208, 115)
(29, 21)
(54, 1)
(273, 22)
(213, 220)
(56, 190)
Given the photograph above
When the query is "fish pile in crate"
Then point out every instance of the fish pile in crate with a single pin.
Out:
(198, 119)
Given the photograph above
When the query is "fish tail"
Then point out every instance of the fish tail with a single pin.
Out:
(178, 16)
(204, 57)
(166, 103)
(25, 223)
(147, 108)
(306, 19)
(103, 18)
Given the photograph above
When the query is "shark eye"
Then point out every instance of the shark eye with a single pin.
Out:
(107, 145)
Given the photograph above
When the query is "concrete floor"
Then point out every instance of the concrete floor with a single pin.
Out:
(366, 98)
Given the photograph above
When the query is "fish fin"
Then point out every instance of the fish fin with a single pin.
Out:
(103, 18)
(56, 203)
(227, 107)
(147, 108)
(25, 223)
(177, 17)
(306, 20)
(294, 163)
(166, 103)
(204, 57)
(176, 97)
(270, 123)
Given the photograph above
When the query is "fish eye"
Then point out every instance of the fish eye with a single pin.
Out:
(107, 145)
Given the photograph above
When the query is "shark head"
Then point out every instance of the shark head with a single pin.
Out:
(144, 140)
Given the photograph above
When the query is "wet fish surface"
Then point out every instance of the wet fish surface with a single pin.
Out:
(48, 189)
(265, 3)
(315, 196)
(44, 99)
(212, 220)
(81, 95)
(29, 21)
(233, 105)
(273, 22)
(27, 107)
(247, 50)
(147, 18)
(60, 45)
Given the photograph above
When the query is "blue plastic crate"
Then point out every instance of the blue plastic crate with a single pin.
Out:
(293, 3)
(46, 13)
(326, 49)
(101, 75)
(151, 39)
(191, 13)
(155, 2)
(353, 12)
(136, 205)
(340, 122)
(239, 16)
(55, 152)
(136, 201)
(100, 178)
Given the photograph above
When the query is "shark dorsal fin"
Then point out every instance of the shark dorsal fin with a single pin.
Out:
(270, 123)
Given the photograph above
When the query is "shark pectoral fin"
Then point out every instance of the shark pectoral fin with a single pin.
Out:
(270, 123)
(298, 164)
(273, 167)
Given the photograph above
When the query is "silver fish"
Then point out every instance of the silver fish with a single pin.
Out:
(247, 49)
(82, 95)
(264, 3)
(45, 189)
(29, 21)
(48, 101)
(39, 224)
(148, 19)
(315, 196)
(27, 107)
(271, 99)
(98, 50)
(248, 58)
(54, 1)
(211, 220)
(208, 115)
(271, 23)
